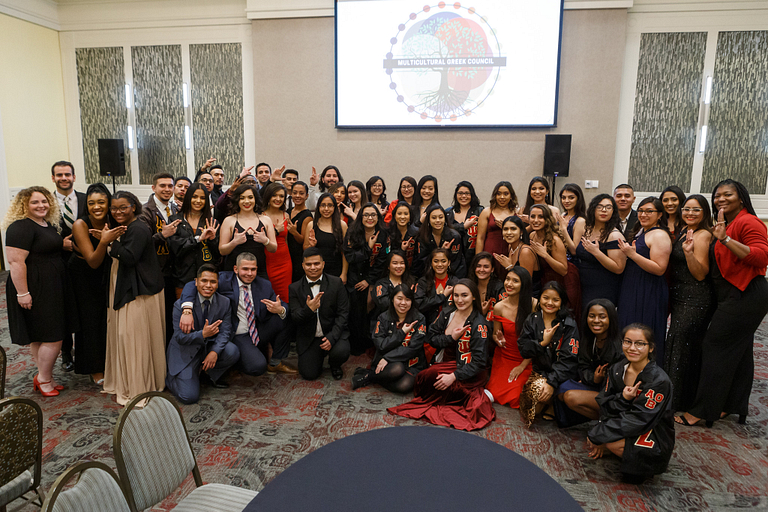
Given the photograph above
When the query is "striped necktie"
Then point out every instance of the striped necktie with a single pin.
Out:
(249, 314)
(69, 216)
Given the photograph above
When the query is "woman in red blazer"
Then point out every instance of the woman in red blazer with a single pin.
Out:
(740, 259)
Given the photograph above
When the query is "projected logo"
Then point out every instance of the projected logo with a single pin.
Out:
(444, 62)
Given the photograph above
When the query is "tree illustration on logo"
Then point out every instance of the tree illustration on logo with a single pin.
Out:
(446, 37)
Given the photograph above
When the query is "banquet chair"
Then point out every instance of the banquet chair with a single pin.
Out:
(3, 367)
(96, 490)
(154, 456)
(21, 450)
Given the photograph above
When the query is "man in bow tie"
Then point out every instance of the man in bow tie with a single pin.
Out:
(320, 310)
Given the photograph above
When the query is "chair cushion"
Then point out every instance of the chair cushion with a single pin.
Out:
(95, 491)
(16, 488)
(216, 498)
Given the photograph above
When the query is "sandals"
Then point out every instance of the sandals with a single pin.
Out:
(682, 420)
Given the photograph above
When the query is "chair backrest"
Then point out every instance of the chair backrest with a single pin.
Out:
(21, 439)
(152, 450)
(3, 366)
(97, 490)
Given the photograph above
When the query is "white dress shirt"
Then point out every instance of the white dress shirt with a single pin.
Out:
(161, 206)
(315, 289)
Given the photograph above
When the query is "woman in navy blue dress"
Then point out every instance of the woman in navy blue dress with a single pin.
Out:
(644, 292)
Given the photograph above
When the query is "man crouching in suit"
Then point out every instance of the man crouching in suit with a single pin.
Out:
(320, 310)
(205, 350)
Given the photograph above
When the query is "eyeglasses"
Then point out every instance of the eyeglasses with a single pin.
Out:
(637, 344)
(369, 215)
(120, 209)
(647, 212)
(604, 207)
(206, 180)
(406, 187)
(692, 210)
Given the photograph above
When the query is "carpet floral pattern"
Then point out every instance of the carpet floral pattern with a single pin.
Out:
(248, 434)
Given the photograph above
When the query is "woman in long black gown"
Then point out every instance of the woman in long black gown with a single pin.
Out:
(301, 217)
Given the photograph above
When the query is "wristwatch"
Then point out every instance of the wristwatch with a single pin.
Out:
(725, 240)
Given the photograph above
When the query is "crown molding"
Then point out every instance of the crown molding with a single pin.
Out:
(662, 6)
(40, 12)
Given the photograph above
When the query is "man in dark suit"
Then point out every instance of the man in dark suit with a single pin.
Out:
(206, 349)
(72, 205)
(624, 195)
(258, 317)
(319, 310)
(155, 214)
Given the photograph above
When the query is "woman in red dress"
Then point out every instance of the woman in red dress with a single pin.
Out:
(279, 267)
(450, 392)
(510, 371)
(503, 204)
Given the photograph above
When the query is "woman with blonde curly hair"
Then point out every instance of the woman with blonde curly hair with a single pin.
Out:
(38, 294)
(548, 244)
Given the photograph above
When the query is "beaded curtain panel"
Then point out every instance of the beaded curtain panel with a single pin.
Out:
(248, 434)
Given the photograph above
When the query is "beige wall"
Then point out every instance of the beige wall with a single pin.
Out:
(31, 101)
(294, 112)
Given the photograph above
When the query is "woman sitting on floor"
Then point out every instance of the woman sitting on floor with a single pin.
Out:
(636, 417)
(551, 339)
(600, 349)
(399, 340)
(450, 392)
(510, 371)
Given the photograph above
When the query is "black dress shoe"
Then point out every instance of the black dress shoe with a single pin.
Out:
(362, 379)
(337, 373)
(219, 384)
(66, 361)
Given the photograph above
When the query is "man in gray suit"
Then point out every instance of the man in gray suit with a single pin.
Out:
(205, 351)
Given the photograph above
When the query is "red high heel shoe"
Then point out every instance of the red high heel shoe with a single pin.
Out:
(36, 386)
(57, 387)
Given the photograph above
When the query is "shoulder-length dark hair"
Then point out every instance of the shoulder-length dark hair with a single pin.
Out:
(658, 206)
(565, 308)
(234, 203)
(321, 183)
(512, 196)
(588, 337)
(417, 200)
(579, 210)
(336, 186)
(406, 290)
(648, 334)
(425, 230)
(525, 297)
(517, 221)
(680, 202)
(269, 191)
(429, 273)
(186, 205)
(413, 183)
(132, 200)
(100, 188)
(474, 202)
(477, 301)
(529, 200)
(356, 231)
(383, 197)
(473, 265)
(741, 191)
(363, 193)
(613, 222)
(393, 220)
(706, 221)
(338, 232)
(407, 278)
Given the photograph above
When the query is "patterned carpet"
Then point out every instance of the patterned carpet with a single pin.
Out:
(247, 434)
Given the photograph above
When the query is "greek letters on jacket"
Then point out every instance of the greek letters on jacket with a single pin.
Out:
(558, 361)
(396, 242)
(394, 345)
(469, 350)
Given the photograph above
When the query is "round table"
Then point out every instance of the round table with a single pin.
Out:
(413, 468)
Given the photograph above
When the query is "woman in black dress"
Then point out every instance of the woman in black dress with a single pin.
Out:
(88, 269)
(600, 261)
(301, 217)
(691, 300)
(673, 198)
(434, 233)
(403, 235)
(463, 217)
(196, 240)
(327, 232)
(39, 298)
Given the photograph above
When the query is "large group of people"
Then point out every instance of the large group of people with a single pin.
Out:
(558, 310)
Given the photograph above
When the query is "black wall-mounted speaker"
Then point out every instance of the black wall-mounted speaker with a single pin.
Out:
(557, 155)
(111, 157)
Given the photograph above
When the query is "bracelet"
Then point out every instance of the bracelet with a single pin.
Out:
(22, 294)
(509, 267)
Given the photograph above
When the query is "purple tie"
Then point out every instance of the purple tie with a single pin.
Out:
(249, 314)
